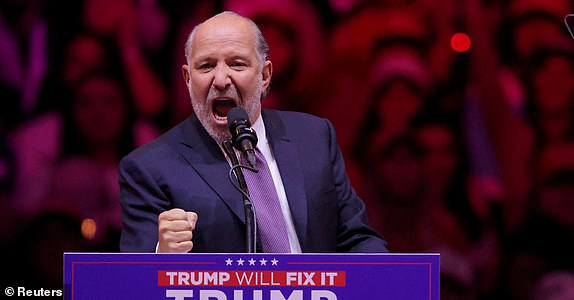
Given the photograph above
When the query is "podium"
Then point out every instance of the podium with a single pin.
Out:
(251, 276)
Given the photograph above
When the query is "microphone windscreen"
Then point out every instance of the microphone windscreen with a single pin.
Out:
(237, 114)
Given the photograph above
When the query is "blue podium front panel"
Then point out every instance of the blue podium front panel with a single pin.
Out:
(251, 276)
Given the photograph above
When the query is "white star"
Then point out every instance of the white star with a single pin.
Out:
(274, 262)
(229, 262)
(240, 262)
(263, 261)
(252, 262)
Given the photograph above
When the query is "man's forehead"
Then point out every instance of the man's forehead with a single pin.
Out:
(225, 24)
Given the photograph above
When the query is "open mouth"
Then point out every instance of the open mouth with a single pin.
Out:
(221, 107)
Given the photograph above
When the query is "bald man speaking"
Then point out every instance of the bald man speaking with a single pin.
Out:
(176, 195)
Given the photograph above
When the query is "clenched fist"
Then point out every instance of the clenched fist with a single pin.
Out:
(175, 230)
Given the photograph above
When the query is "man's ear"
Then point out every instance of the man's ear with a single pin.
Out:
(186, 75)
(266, 73)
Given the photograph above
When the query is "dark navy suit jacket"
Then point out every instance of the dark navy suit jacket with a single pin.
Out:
(185, 168)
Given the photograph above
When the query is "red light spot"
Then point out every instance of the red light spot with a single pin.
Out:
(460, 42)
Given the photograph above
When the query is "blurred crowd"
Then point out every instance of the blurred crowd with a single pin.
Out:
(464, 151)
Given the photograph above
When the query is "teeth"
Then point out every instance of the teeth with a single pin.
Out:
(219, 118)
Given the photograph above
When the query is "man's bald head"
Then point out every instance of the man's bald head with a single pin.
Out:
(232, 19)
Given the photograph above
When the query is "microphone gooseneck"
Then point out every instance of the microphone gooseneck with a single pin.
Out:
(241, 186)
(244, 139)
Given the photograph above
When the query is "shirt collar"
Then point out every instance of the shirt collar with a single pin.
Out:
(259, 128)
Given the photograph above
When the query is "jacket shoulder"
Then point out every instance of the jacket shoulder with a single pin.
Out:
(162, 145)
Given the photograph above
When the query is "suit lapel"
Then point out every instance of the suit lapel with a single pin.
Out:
(209, 162)
(286, 156)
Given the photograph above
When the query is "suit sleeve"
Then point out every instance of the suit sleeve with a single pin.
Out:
(353, 232)
(142, 200)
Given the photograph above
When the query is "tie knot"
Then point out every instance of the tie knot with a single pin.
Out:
(259, 162)
(259, 155)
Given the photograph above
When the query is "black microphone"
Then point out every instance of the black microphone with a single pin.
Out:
(243, 136)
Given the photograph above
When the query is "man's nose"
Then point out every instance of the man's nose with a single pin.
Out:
(222, 78)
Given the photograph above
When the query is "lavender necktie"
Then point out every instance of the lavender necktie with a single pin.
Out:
(270, 221)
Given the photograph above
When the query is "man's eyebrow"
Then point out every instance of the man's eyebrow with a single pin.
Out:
(240, 56)
(202, 57)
